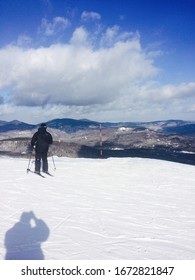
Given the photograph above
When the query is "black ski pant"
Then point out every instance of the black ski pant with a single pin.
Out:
(41, 155)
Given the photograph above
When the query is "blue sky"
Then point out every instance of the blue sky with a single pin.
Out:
(116, 60)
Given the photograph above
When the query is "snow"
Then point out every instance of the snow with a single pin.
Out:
(117, 208)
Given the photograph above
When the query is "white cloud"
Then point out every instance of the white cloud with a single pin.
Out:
(58, 24)
(114, 34)
(73, 74)
(85, 16)
(182, 91)
(7, 110)
(169, 92)
(115, 81)
(79, 37)
(24, 40)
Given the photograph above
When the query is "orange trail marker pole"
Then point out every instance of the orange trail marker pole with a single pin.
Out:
(100, 141)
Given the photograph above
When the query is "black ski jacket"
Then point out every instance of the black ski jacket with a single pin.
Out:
(41, 140)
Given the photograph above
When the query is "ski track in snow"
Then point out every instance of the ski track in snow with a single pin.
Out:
(118, 208)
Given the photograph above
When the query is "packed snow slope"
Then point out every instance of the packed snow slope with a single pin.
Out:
(118, 208)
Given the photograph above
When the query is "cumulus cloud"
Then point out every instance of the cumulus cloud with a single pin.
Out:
(167, 93)
(73, 74)
(181, 91)
(85, 16)
(114, 34)
(80, 78)
(50, 28)
(79, 37)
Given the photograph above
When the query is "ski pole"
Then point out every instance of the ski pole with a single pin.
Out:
(53, 163)
(28, 169)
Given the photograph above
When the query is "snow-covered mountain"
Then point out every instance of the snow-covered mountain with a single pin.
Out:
(117, 208)
(81, 138)
(72, 125)
(15, 125)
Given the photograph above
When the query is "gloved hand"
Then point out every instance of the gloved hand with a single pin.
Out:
(30, 149)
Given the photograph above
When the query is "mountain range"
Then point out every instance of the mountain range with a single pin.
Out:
(169, 140)
(71, 125)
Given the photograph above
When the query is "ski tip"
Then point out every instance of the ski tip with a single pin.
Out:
(39, 174)
(48, 173)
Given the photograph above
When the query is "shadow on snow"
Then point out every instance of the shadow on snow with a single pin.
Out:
(23, 240)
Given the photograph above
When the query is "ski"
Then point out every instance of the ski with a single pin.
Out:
(39, 174)
(48, 174)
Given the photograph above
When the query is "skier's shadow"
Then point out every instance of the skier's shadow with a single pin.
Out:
(23, 240)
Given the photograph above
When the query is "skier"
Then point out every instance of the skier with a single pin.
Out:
(41, 141)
